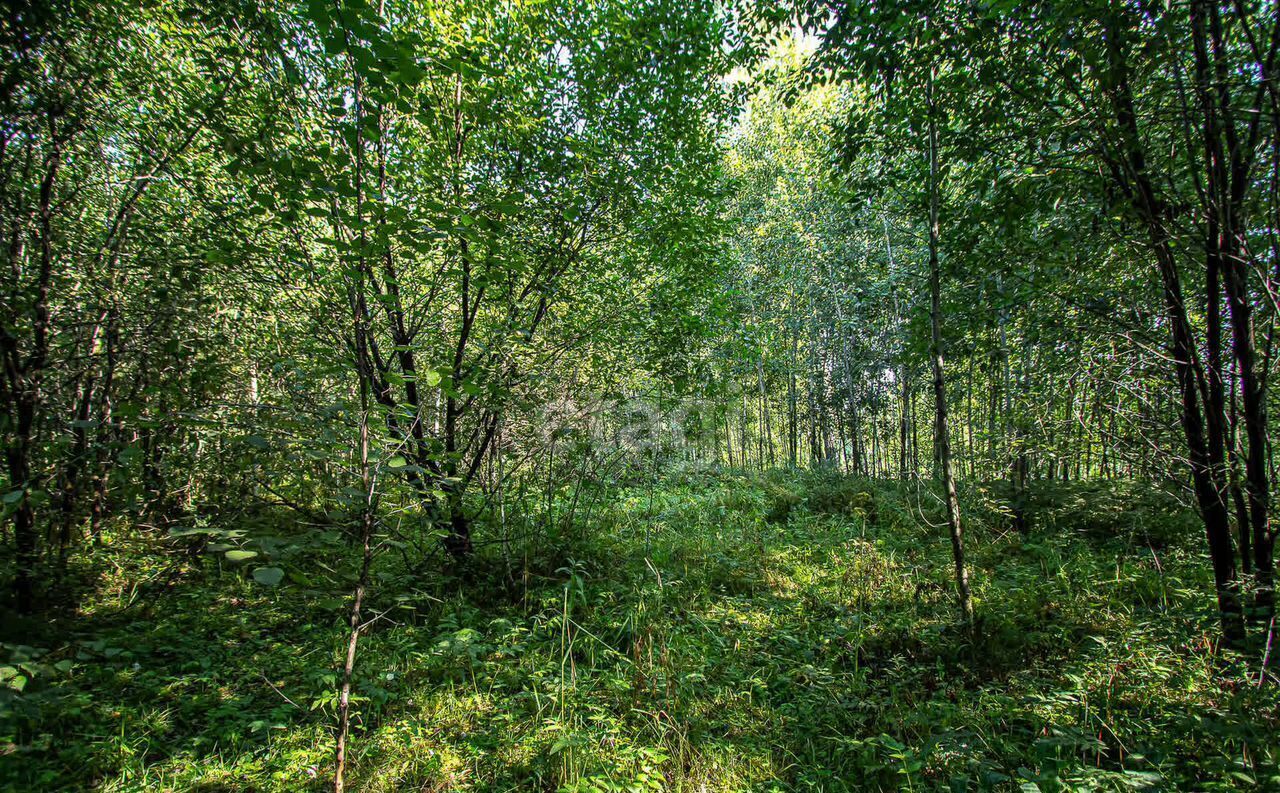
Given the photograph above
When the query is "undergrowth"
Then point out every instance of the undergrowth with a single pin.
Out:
(726, 632)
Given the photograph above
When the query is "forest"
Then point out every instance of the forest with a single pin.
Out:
(639, 395)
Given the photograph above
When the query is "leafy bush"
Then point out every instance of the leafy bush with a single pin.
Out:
(780, 498)
(830, 493)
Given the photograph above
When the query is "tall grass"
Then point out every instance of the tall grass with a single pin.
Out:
(725, 633)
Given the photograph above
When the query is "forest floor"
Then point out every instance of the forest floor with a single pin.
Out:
(731, 632)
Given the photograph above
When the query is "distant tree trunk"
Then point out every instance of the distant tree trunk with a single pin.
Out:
(766, 418)
(792, 419)
(993, 414)
(902, 372)
(75, 462)
(875, 443)
(761, 431)
(906, 418)
(855, 431)
(105, 431)
(728, 437)
(968, 420)
(1021, 463)
(915, 438)
(87, 397)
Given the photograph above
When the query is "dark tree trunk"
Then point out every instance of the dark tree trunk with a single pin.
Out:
(1129, 170)
(939, 381)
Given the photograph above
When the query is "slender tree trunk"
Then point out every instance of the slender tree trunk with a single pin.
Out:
(357, 606)
(1021, 463)
(792, 419)
(939, 383)
(361, 337)
(906, 418)
(1243, 526)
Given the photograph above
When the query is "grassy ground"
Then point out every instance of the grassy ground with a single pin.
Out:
(727, 633)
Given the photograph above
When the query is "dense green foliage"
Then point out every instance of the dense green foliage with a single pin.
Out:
(638, 394)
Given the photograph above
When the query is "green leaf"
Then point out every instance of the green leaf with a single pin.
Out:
(240, 556)
(268, 576)
(176, 533)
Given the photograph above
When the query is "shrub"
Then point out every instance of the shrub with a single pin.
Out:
(781, 500)
(831, 493)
